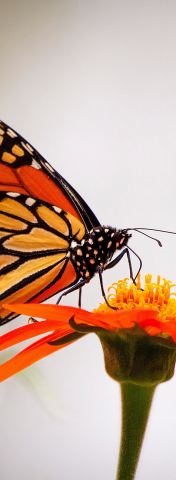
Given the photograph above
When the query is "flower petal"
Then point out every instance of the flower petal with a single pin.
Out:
(51, 312)
(35, 352)
(122, 318)
(28, 331)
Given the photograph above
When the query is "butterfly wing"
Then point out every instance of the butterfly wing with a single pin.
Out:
(24, 170)
(35, 240)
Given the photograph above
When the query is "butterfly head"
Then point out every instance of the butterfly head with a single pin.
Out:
(121, 238)
(114, 240)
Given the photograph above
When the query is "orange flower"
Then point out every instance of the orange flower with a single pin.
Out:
(151, 311)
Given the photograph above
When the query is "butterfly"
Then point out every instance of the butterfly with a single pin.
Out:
(50, 240)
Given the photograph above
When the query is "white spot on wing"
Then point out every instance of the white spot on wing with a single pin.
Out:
(30, 201)
(57, 209)
(35, 164)
(27, 147)
(13, 194)
(49, 167)
(11, 133)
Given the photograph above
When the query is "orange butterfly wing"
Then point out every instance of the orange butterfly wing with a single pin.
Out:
(23, 171)
(35, 239)
(20, 172)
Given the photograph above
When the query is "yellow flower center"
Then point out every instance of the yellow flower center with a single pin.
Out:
(158, 296)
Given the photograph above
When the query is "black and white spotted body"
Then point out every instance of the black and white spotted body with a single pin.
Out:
(96, 250)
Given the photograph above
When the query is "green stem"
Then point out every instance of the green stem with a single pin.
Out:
(136, 403)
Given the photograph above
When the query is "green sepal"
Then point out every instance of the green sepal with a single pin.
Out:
(131, 355)
(71, 337)
(83, 328)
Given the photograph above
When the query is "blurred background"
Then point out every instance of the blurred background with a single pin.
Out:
(92, 85)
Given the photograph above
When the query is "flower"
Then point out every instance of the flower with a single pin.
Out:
(138, 335)
(142, 317)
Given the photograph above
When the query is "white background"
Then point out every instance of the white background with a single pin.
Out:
(92, 85)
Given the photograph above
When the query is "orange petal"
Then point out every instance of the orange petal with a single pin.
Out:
(170, 329)
(33, 353)
(28, 331)
(51, 312)
(122, 318)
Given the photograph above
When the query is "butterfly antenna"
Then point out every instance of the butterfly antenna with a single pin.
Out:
(139, 230)
(149, 236)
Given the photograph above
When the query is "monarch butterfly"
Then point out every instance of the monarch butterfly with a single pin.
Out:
(50, 240)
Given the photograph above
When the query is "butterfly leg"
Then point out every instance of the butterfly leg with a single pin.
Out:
(32, 320)
(103, 291)
(140, 263)
(120, 256)
(72, 289)
(79, 297)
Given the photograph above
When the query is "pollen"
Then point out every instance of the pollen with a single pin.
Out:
(159, 296)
